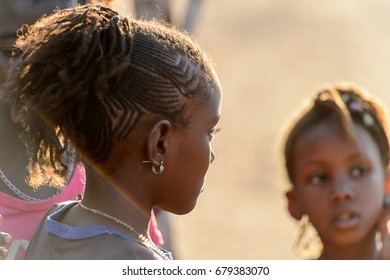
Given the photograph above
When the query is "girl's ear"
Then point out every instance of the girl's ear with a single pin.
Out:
(158, 140)
(293, 206)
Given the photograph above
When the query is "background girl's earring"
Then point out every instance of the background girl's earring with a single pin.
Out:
(308, 245)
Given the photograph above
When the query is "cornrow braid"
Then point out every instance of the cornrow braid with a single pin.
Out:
(345, 104)
(91, 74)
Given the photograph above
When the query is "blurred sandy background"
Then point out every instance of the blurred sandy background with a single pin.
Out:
(270, 55)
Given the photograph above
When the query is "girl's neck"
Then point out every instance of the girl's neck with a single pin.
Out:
(364, 250)
(116, 200)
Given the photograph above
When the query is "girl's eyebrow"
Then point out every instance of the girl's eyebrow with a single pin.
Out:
(359, 156)
(353, 156)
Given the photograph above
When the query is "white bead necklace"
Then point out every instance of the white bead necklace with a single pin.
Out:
(142, 237)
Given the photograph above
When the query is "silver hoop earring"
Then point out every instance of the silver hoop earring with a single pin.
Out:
(156, 170)
(160, 169)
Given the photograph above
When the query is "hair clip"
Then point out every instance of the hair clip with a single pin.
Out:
(356, 106)
(345, 97)
(368, 120)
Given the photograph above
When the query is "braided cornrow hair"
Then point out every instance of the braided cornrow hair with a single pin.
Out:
(345, 104)
(87, 75)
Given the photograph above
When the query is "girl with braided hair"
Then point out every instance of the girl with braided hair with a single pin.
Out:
(337, 156)
(138, 101)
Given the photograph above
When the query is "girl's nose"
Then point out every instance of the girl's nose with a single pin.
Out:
(342, 190)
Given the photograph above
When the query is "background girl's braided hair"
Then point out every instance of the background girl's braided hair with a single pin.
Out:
(91, 74)
(345, 104)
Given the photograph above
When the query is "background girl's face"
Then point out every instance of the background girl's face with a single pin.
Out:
(339, 186)
(15, 13)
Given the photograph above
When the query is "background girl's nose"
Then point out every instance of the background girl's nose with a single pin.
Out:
(342, 190)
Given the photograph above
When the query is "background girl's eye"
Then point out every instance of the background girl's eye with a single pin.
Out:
(318, 178)
(359, 171)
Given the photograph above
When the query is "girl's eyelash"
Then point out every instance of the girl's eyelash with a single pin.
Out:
(215, 131)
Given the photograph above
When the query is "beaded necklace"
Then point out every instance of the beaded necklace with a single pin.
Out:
(140, 236)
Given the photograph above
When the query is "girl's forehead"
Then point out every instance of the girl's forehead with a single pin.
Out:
(328, 134)
(330, 130)
(319, 135)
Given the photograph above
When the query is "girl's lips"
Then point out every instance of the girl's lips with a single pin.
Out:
(345, 220)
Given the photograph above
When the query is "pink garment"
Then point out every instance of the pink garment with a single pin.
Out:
(21, 218)
(154, 232)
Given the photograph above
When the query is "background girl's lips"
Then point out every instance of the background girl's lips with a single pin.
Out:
(345, 220)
